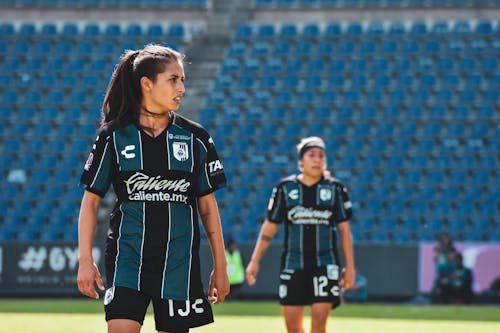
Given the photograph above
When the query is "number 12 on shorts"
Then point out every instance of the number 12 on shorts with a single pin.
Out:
(320, 283)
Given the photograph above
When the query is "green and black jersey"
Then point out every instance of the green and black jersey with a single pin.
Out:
(153, 239)
(310, 214)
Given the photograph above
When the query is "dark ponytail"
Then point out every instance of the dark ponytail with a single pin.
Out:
(123, 96)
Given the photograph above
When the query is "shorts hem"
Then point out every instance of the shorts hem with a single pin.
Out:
(124, 317)
(191, 325)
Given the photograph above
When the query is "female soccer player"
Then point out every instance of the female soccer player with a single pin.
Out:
(313, 206)
(164, 169)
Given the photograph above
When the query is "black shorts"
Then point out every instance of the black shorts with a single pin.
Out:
(305, 287)
(170, 315)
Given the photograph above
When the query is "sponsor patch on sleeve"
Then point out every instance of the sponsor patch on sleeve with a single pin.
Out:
(89, 162)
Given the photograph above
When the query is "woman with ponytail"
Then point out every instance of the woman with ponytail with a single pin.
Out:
(164, 170)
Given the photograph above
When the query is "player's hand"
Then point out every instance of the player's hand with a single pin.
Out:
(88, 273)
(347, 278)
(251, 272)
(219, 286)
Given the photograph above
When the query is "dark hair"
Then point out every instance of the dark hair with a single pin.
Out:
(123, 99)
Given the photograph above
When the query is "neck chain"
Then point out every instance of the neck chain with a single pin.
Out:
(148, 113)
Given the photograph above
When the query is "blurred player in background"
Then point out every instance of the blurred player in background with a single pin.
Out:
(313, 206)
(235, 269)
(164, 169)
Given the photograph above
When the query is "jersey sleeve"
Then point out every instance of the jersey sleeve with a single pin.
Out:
(211, 176)
(277, 205)
(342, 204)
(98, 170)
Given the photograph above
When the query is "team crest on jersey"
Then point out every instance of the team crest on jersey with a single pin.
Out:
(181, 151)
(325, 194)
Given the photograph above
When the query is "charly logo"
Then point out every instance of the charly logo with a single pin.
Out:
(294, 194)
(127, 152)
(283, 291)
(181, 151)
(109, 295)
(141, 187)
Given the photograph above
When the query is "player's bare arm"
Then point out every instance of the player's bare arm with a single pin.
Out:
(267, 233)
(88, 273)
(349, 273)
(219, 281)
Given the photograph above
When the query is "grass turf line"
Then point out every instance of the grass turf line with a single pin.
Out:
(94, 323)
(272, 309)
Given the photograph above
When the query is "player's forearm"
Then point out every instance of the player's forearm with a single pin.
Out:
(346, 243)
(210, 219)
(87, 224)
(214, 234)
(267, 233)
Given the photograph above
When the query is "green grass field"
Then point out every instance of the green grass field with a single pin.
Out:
(81, 315)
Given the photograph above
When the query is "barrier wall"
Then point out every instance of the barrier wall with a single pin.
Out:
(40, 269)
(393, 272)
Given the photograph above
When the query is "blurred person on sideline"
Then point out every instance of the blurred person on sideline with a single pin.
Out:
(444, 259)
(164, 169)
(235, 269)
(461, 282)
(313, 206)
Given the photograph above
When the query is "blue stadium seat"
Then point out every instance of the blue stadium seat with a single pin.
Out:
(333, 30)
(112, 30)
(260, 48)
(48, 29)
(375, 28)
(251, 65)
(439, 28)
(133, 30)
(418, 28)
(7, 29)
(42, 48)
(176, 31)
(69, 30)
(91, 29)
(401, 237)
(311, 30)
(19, 48)
(324, 48)
(483, 28)
(396, 28)
(154, 30)
(281, 48)
(461, 28)
(288, 30)
(303, 48)
(265, 31)
(354, 29)
(236, 48)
